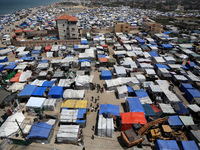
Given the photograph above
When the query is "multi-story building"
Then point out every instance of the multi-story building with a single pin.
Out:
(122, 27)
(152, 27)
(67, 27)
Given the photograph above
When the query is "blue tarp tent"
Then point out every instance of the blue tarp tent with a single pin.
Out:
(75, 46)
(27, 91)
(190, 64)
(184, 67)
(48, 83)
(180, 108)
(166, 145)
(44, 61)
(103, 56)
(11, 66)
(106, 75)
(185, 86)
(82, 60)
(130, 89)
(84, 42)
(35, 52)
(153, 54)
(39, 91)
(40, 130)
(27, 58)
(141, 93)
(112, 109)
(81, 113)
(161, 66)
(190, 94)
(3, 59)
(1, 68)
(149, 110)
(167, 46)
(135, 104)
(56, 92)
(174, 121)
(189, 145)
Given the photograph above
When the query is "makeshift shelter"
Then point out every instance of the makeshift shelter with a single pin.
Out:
(10, 128)
(149, 110)
(167, 46)
(166, 144)
(122, 92)
(27, 91)
(120, 71)
(3, 94)
(130, 118)
(1, 68)
(56, 92)
(191, 95)
(83, 82)
(133, 104)
(106, 75)
(49, 104)
(105, 127)
(186, 120)
(74, 104)
(143, 96)
(65, 83)
(166, 108)
(3, 59)
(73, 94)
(68, 134)
(25, 76)
(175, 122)
(189, 145)
(185, 86)
(41, 132)
(16, 87)
(180, 108)
(109, 109)
(35, 103)
(157, 110)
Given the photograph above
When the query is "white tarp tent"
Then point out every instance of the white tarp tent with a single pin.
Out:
(68, 115)
(65, 82)
(10, 128)
(73, 94)
(166, 108)
(68, 134)
(122, 92)
(35, 102)
(194, 107)
(16, 87)
(120, 71)
(83, 82)
(25, 75)
(49, 104)
(105, 127)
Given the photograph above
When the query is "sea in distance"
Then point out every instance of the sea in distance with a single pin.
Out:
(10, 6)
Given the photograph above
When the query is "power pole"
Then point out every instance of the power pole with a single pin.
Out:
(20, 128)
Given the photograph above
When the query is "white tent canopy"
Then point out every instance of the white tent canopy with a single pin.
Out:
(16, 87)
(105, 127)
(73, 94)
(24, 76)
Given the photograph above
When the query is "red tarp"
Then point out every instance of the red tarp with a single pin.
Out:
(16, 77)
(133, 118)
(105, 46)
(102, 59)
(47, 48)
(156, 109)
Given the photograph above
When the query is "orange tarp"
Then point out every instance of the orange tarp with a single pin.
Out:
(47, 48)
(16, 77)
(105, 46)
(133, 118)
(102, 59)
(67, 17)
(18, 31)
(156, 109)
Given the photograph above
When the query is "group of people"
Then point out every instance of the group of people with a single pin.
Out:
(95, 101)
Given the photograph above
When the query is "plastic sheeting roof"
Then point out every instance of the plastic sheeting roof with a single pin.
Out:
(166, 145)
(27, 91)
(73, 94)
(74, 104)
(35, 102)
(135, 104)
(133, 118)
(39, 91)
(174, 121)
(56, 92)
(189, 145)
(112, 109)
(149, 110)
(40, 130)
(187, 120)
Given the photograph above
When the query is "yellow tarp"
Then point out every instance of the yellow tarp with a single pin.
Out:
(74, 104)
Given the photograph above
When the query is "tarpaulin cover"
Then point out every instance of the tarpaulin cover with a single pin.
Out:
(185, 86)
(44, 61)
(74, 104)
(35, 52)
(103, 56)
(56, 92)
(75, 46)
(133, 118)
(184, 67)
(130, 89)
(153, 54)
(27, 91)
(81, 113)
(48, 83)
(27, 58)
(12, 66)
(40, 130)
(161, 66)
(180, 108)
(82, 60)
(167, 46)
(39, 91)
(190, 64)
(1, 67)
(189, 145)
(191, 93)
(149, 110)
(102, 59)
(16, 77)
(166, 145)
(157, 110)
(112, 109)
(106, 75)
(174, 121)
(3, 59)
(141, 93)
(135, 104)
(84, 42)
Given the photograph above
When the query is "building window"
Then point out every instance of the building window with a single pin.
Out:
(63, 30)
(73, 29)
(73, 34)
(67, 33)
(63, 25)
(158, 26)
(126, 27)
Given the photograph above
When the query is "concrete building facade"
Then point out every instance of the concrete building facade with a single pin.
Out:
(67, 27)
(122, 27)
(152, 27)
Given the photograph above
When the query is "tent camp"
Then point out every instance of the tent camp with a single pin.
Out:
(122, 92)
(109, 109)
(49, 104)
(56, 92)
(16, 87)
(174, 122)
(35, 103)
(186, 120)
(143, 96)
(83, 82)
(3, 59)
(133, 104)
(106, 75)
(149, 110)
(74, 104)
(189, 145)
(169, 144)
